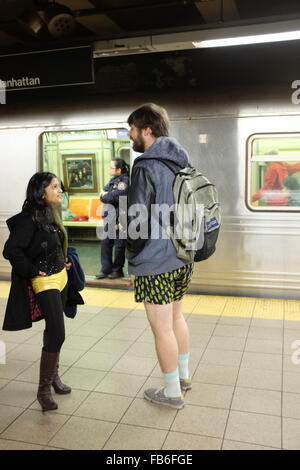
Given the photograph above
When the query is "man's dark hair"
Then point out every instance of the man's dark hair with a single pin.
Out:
(152, 116)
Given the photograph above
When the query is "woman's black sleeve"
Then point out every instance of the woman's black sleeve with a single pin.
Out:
(14, 249)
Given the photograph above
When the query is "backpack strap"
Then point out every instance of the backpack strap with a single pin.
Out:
(171, 165)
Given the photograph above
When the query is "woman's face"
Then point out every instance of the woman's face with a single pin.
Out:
(53, 192)
(112, 170)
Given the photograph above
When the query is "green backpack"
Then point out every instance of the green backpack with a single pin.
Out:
(195, 229)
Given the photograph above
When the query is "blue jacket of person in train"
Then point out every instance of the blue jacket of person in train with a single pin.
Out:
(151, 183)
(116, 187)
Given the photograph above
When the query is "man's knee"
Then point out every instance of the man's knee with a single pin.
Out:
(161, 329)
(177, 316)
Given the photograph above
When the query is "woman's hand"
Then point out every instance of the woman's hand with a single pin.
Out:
(41, 273)
(68, 266)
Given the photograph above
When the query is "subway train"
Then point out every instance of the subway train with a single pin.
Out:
(233, 135)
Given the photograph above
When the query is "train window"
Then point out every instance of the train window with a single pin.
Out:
(274, 172)
(80, 159)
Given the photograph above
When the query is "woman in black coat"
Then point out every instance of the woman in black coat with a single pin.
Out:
(36, 249)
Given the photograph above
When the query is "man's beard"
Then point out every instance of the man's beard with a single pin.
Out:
(138, 144)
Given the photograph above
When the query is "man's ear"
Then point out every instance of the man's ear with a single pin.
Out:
(147, 131)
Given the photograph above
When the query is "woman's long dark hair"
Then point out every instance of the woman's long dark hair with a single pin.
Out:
(120, 163)
(35, 203)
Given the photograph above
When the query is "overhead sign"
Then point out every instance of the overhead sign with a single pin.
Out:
(43, 69)
(117, 134)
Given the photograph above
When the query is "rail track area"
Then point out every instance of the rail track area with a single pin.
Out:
(245, 366)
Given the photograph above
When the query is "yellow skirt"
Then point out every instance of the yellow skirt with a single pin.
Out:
(55, 281)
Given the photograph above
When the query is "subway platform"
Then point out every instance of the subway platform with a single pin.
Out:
(245, 365)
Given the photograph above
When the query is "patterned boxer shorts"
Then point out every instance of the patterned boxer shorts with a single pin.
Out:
(163, 288)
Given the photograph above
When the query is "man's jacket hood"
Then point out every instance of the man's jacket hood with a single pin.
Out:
(166, 148)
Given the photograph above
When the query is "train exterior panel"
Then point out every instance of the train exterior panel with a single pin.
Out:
(258, 251)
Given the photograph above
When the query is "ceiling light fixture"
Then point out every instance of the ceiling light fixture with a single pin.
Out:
(243, 40)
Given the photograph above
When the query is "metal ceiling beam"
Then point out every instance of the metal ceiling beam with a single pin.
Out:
(216, 11)
(135, 7)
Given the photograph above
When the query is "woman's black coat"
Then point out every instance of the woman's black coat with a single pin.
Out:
(25, 248)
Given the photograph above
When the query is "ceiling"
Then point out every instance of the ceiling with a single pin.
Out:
(27, 25)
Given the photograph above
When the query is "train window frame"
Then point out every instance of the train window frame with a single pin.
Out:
(266, 158)
(54, 130)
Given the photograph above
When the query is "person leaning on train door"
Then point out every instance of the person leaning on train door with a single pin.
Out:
(116, 187)
(161, 279)
(36, 249)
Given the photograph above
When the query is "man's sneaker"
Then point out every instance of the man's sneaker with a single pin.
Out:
(185, 384)
(157, 396)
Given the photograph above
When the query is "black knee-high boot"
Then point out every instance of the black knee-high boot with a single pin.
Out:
(48, 366)
(57, 384)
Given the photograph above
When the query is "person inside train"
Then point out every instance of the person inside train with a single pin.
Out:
(161, 279)
(113, 233)
(275, 173)
(292, 188)
(37, 251)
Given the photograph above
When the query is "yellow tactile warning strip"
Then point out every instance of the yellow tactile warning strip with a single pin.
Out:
(244, 307)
